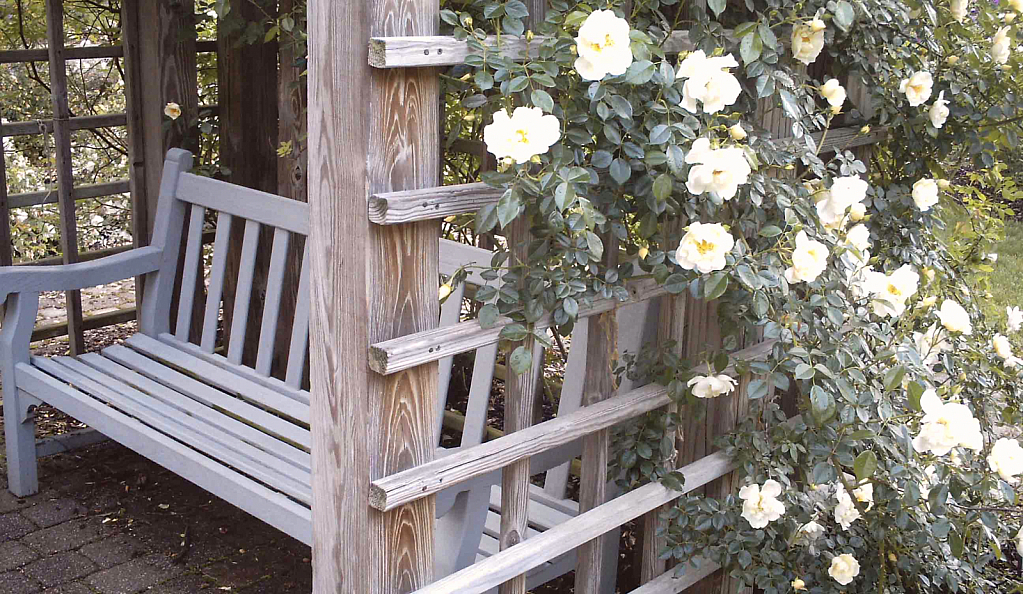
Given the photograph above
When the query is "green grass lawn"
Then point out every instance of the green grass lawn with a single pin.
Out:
(1007, 278)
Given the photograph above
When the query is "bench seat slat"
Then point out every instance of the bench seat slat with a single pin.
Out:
(171, 423)
(138, 340)
(541, 515)
(216, 419)
(210, 396)
(219, 377)
(272, 507)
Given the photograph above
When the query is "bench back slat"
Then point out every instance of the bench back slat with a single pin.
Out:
(191, 272)
(252, 205)
(272, 304)
(300, 328)
(243, 292)
(215, 290)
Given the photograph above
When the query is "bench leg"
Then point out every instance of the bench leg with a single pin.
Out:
(20, 433)
(19, 422)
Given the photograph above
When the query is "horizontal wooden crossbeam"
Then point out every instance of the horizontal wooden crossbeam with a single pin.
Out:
(418, 482)
(564, 537)
(391, 208)
(671, 582)
(78, 123)
(439, 50)
(82, 53)
(26, 199)
(405, 352)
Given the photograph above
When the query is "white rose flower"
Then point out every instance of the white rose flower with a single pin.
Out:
(946, 425)
(603, 45)
(1016, 5)
(845, 511)
(857, 212)
(939, 111)
(892, 291)
(930, 344)
(812, 530)
(704, 246)
(716, 170)
(958, 8)
(527, 133)
(172, 110)
(865, 494)
(917, 87)
(859, 237)
(833, 91)
(806, 43)
(711, 386)
(1014, 314)
(844, 193)
(737, 132)
(798, 584)
(844, 568)
(1002, 346)
(954, 317)
(992, 257)
(761, 505)
(1000, 50)
(1019, 542)
(925, 193)
(809, 260)
(708, 82)
(1006, 458)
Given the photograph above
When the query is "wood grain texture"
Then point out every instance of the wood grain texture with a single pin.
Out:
(90, 122)
(25, 199)
(65, 176)
(369, 132)
(73, 53)
(131, 29)
(669, 582)
(598, 386)
(419, 51)
(430, 203)
(408, 351)
(6, 248)
(570, 534)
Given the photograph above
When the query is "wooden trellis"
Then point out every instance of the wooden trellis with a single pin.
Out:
(374, 139)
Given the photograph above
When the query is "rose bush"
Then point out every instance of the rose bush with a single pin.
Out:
(871, 457)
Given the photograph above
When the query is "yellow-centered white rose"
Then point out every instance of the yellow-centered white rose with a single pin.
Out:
(859, 237)
(892, 291)
(523, 135)
(958, 8)
(844, 193)
(807, 43)
(809, 260)
(711, 386)
(603, 45)
(1002, 346)
(917, 88)
(760, 504)
(1006, 458)
(925, 194)
(720, 170)
(946, 425)
(954, 318)
(708, 82)
(930, 344)
(737, 132)
(704, 246)
(844, 568)
(1000, 50)
(172, 110)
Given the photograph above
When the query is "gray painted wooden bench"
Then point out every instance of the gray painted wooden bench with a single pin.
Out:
(225, 423)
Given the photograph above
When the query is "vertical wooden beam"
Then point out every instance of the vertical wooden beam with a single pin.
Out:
(520, 391)
(65, 174)
(598, 385)
(130, 40)
(6, 247)
(369, 131)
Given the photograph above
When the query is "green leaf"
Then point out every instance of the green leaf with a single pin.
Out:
(662, 187)
(804, 371)
(750, 48)
(594, 245)
(718, 6)
(821, 401)
(770, 231)
(514, 332)
(915, 391)
(714, 286)
(756, 389)
(621, 171)
(520, 360)
(640, 72)
(543, 100)
(519, 83)
(844, 15)
(621, 106)
(563, 195)
(488, 315)
(865, 465)
(676, 283)
(893, 377)
(788, 104)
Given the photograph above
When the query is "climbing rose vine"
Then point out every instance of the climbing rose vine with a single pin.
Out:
(879, 451)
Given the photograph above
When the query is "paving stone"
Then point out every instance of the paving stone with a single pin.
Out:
(60, 568)
(64, 537)
(9, 503)
(14, 582)
(14, 554)
(186, 584)
(134, 576)
(71, 588)
(113, 550)
(53, 512)
(237, 573)
(14, 526)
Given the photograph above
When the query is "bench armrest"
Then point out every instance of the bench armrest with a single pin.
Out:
(36, 279)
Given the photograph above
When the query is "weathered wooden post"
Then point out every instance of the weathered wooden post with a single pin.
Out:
(369, 131)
